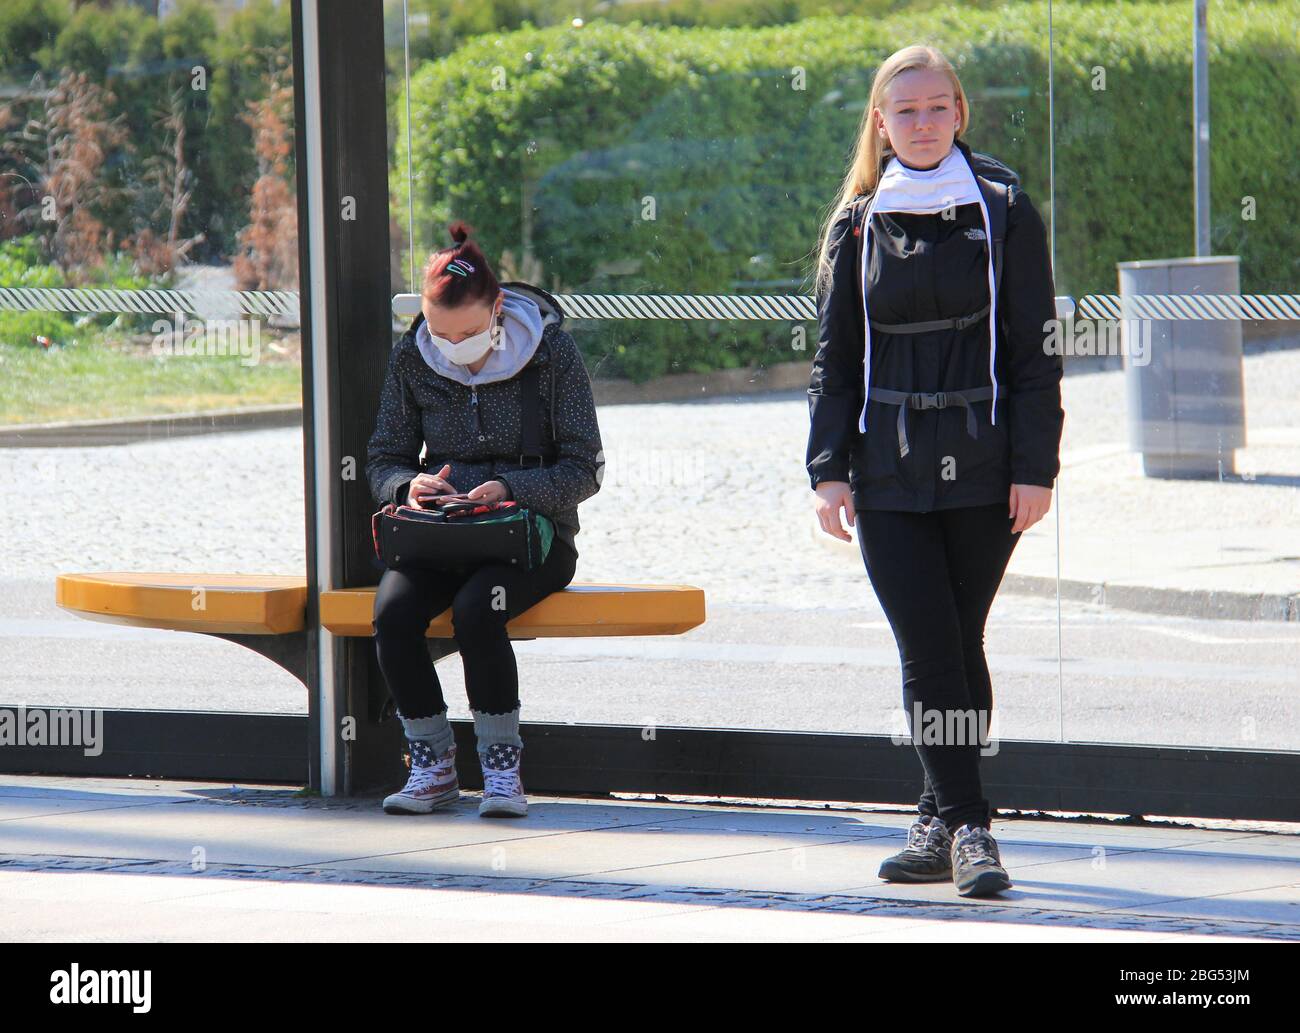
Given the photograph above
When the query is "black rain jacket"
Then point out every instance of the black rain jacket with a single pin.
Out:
(477, 429)
(923, 267)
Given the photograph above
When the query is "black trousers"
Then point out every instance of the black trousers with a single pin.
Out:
(935, 575)
(481, 602)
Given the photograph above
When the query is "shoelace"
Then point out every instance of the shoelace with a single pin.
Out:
(501, 783)
(974, 849)
(420, 777)
(928, 838)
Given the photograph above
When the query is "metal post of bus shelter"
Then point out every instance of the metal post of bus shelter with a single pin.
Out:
(341, 150)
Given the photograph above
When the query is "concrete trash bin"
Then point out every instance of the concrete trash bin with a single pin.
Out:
(1186, 403)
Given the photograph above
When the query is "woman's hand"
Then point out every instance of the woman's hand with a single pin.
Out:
(427, 486)
(489, 493)
(832, 496)
(1029, 504)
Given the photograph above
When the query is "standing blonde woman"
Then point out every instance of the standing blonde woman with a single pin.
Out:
(935, 421)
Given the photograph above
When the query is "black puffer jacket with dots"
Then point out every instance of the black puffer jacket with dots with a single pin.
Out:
(476, 429)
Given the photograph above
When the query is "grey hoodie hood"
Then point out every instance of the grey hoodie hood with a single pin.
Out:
(526, 312)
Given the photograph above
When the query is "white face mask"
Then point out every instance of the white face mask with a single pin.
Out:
(470, 350)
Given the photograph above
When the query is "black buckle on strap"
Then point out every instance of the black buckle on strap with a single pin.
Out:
(523, 465)
(938, 400)
(961, 322)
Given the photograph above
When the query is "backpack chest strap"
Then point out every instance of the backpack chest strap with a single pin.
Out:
(924, 400)
(956, 323)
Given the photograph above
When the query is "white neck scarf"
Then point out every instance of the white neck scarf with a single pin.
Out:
(925, 191)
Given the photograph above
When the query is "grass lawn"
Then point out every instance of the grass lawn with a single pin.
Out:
(97, 380)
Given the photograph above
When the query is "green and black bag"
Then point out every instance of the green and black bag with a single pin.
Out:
(461, 536)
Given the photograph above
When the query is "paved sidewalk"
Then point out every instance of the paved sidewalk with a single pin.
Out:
(108, 860)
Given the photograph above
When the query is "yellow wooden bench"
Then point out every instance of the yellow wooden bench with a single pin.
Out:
(267, 613)
(215, 604)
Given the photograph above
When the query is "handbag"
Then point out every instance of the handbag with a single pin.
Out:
(461, 536)
(464, 535)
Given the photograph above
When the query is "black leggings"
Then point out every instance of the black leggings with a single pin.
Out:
(935, 575)
(481, 602)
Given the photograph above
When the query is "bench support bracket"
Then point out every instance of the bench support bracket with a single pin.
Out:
(286, 651)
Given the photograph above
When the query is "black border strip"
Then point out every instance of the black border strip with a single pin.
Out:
(598, 759)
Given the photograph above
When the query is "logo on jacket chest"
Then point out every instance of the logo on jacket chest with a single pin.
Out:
(975, 233)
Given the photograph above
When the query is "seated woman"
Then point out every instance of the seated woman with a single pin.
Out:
(455, 383)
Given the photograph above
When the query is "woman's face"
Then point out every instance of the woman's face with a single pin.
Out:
(920, 117)
(457, 324)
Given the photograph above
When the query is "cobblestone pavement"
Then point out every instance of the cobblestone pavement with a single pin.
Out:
(710, 493)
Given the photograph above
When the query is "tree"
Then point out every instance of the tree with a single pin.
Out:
(171, 176)
(268, 258)
(62, 148)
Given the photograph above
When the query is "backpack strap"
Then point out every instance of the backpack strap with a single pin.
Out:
(532, 444)
(997, 198)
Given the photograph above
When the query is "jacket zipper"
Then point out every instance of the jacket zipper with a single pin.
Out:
(473, 402)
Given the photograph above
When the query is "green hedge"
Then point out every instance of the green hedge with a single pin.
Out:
(742, 166)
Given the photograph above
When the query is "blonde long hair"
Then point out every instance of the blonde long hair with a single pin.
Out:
(871, 154)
